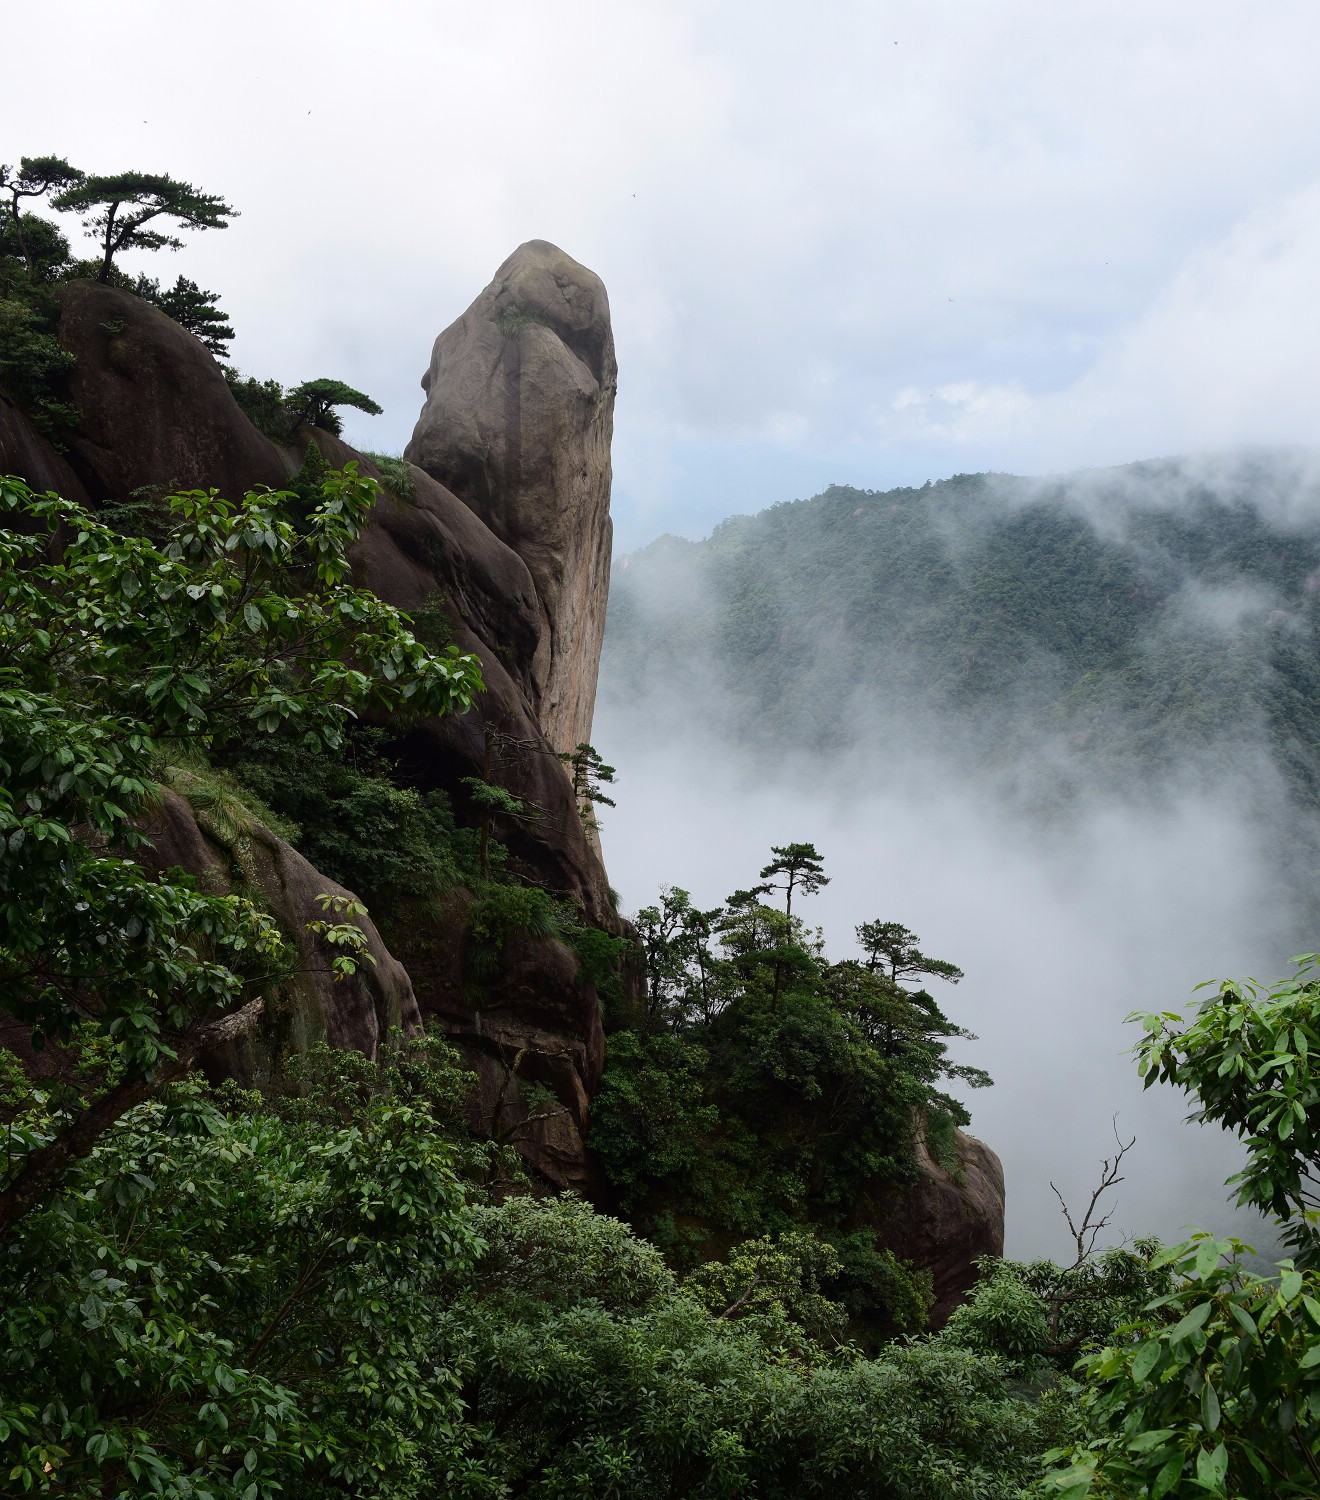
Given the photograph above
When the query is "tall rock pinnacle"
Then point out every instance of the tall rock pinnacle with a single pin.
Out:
(517, 423)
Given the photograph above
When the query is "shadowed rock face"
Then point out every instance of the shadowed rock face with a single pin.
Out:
(517, 423)
(153, 411)
(946, 1222)
(310, 1005)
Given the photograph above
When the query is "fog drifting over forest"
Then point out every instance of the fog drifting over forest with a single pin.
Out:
(1124, 900)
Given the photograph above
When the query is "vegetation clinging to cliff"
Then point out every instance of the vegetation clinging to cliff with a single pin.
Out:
(766, 1087)
(115, 647)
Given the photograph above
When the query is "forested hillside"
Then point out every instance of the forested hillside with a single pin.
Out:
(1099, 630)
(307, 1191)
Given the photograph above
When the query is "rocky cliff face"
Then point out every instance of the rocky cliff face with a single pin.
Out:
(158, 415)
(506, 529)
(517, 423)
(948, 1220)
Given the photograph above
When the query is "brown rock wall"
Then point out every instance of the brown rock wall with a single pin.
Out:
(946, 1221)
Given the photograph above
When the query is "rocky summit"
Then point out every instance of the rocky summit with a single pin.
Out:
(517, 423)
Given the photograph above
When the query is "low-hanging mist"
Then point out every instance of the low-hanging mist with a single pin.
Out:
(1065, 738)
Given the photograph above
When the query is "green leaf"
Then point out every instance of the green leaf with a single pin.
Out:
(1168, 1476)
(1147, 1357)
(1209, 1408)
(1212, 1466)
(1144, 1441)
(1207, 1258)
(1192, 1322)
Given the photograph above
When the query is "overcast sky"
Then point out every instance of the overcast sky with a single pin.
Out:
(866, 242)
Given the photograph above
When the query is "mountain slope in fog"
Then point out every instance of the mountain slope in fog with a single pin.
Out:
(1103, 631)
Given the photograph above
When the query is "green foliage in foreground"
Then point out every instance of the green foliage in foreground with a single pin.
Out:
(236, 1298)
(1214, 1387)
(1247, 1059)
(230, 1300)
(115, 649)
(1215, 1390)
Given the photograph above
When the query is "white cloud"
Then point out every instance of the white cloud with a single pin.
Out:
(958, 412)
(926, 195)
(1228, 351)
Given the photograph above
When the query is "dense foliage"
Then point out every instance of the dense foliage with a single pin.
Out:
(1214, 1386)
(309, 1294)
(114, 649)
(766, 1087)
(1246, 1058)
(230, 1297)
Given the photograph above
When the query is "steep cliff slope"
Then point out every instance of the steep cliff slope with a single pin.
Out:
(157, 416)
(501, 534)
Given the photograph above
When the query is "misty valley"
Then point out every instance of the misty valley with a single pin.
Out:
(470, 1015)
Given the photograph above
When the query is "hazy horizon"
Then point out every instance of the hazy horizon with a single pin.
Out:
(1064, 915)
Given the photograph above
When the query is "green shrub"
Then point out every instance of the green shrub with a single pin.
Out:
(358, 826)
(505, 911)
(395, 474)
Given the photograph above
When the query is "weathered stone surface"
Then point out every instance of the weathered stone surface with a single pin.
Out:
(533, 1019)
(23, 451)
(946, 1221)
(517, 423)
(310, 1005)
(155, 408)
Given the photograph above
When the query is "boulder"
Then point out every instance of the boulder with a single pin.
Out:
(946, 1219)
(155, 410)
(228, 849)
(517, 423)
(26, 453)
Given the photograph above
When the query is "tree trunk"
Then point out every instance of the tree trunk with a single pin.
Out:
(41, 1172)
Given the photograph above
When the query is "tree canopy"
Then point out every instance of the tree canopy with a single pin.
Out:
(115, 648)
(127, 211)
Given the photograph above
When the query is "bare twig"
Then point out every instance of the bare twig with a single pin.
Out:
(1088, 1231)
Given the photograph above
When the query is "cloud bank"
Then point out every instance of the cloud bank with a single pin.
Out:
(847, 243)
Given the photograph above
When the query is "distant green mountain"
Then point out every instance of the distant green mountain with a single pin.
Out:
(1109, 629)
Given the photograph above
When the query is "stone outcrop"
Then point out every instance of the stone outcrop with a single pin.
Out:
(229, 849)
(947, 1220)
(157, 415)
(155, 409)
(517, 423)
(24, 451)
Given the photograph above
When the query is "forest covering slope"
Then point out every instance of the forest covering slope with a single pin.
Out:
(1108, 630)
